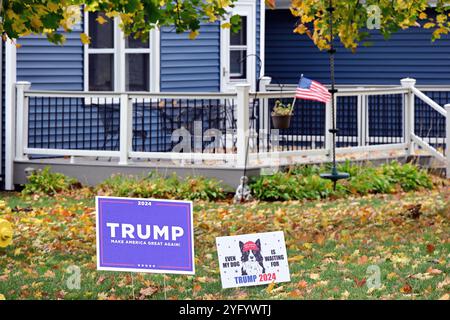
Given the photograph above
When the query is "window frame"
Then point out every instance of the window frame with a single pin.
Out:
(243, 8)
(119, 52)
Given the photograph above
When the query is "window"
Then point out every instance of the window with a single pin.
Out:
(238, 52)
(116, 63)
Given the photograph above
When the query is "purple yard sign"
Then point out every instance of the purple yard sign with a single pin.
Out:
(145, 235)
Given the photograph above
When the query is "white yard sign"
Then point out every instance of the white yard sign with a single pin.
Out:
(252, 259)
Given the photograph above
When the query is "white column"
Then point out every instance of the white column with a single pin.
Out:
(243, 120)
(363, 119)
(409, 113)
(447, 140)
(10, 113)
(264, 114)
(126, 128)
(21, 120)
(328, 127)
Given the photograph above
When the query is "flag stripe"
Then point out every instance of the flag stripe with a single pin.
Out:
(312, 90)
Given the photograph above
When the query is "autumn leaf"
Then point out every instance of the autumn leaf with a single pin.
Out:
(433, 271)
(445, 297)
(406, 289)
(197, 288)
(85, 39)
(101, 20)
(362, 260)
(148, 292)
(49, 274)
(314, 276)
(270, 287)
(193, 34)
(360, 283)
(430, 248)
(302, 284)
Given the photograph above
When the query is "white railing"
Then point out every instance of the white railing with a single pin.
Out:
(240, 131)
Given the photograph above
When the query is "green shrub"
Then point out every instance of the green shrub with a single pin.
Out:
(48, 183)
(304, 182)
(156, 186)
(408, 176)
(280, 186)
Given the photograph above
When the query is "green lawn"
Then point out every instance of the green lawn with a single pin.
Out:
(331, 243)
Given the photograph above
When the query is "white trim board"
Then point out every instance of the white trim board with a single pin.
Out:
(10, 117)
(248, 8)
(119, 51)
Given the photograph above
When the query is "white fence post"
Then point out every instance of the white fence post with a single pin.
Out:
(328, 127)
(264, 114)
(447, 140)
(363, 119)
(22, 120)
(126, 125)
(243, 120)
(409, 113)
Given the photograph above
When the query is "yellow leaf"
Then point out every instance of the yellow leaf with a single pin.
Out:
(270, 287)
(226, 25)
(429, 25)
(2, 297)
(101, 20)
(52, 6)
(85, 39)
(296, 258)
(193, 34)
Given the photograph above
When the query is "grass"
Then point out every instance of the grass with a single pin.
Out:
(331, 243)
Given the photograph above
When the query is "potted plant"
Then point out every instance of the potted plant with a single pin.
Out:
(281, 115)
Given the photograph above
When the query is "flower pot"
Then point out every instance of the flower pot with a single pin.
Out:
(281, 122)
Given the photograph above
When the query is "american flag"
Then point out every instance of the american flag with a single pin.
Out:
(312, 90)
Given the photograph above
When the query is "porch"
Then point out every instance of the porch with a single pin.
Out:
(92, 135)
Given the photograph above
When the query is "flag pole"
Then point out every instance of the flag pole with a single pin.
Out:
(295, 97)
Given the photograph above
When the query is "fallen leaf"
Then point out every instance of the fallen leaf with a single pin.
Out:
(445, 297)
(406, 289)
(362, 260)
(197, 288)
(430, 270)
(295, 293)
(430, 248)
(148, 292)
(49, 274)
(270, 287)
(360, 283)
(314, 276)
(101, 279)
(302, 284)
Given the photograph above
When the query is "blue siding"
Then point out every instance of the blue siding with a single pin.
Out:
(409, 53)
(190, 65)
(51, 67)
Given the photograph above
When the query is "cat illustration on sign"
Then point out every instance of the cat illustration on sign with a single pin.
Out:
(252, 259)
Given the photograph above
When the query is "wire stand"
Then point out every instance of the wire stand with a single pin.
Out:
(334, 175)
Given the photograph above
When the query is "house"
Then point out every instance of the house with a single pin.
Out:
(215, 62)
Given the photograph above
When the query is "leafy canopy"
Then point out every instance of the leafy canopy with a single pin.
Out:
(20, 18)
(351, 18)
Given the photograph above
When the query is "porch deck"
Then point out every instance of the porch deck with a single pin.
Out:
(93, 135)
